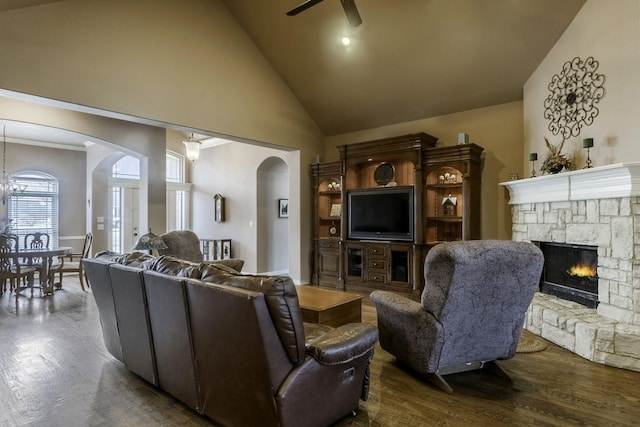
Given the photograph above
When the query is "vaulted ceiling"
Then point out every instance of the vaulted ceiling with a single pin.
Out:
(408, 60)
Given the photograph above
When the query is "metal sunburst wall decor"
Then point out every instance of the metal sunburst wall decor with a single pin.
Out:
(574, 97)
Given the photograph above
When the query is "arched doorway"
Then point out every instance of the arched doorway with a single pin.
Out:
(273, 225)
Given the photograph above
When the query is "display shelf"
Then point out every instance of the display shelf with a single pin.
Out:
(445, 204)
(445, 218)
(450, 186)
(327, 197)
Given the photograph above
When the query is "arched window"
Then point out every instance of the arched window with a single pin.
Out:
(37, 208)
(127, 167)
(124, 189)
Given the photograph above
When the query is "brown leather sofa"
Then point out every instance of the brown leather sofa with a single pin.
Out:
(231, 346)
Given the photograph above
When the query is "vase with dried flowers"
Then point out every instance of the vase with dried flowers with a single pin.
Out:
(555, 160)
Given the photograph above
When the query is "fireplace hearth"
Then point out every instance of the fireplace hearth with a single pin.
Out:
(570, 272)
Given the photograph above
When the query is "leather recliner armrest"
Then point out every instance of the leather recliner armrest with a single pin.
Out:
(343, 344)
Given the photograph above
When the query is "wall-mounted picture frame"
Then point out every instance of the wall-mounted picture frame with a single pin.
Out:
(217, 249)
(207, 249)
(226, 249)
(218, 208)
(283, 208)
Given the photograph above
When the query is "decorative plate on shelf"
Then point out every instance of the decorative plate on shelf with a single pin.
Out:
(384, 173)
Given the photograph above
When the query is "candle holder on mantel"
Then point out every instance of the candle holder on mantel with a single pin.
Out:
(588, 144)
(532, 158)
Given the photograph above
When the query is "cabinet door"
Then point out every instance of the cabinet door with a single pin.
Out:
(400, 267)
(355, 262)
(328, 262)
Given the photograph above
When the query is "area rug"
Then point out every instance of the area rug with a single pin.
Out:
(530, 343)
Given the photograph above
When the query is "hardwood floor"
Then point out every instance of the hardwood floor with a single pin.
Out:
(55, 371)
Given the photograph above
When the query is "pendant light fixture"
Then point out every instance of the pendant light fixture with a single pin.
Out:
(193, 148)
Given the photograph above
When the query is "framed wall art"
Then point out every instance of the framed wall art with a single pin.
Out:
(226, 249)
(217, 249)
(218, 207)
(283, 208)
(574, 95)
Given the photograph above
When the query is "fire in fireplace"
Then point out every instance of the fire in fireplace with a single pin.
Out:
(570, 272)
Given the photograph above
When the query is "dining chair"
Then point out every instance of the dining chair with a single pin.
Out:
(10, 268)
(37, 240)
(72, 263)
(11, 241)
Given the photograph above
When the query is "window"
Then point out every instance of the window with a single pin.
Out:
(37, 208)
(177, 193)
(127, 167)
(123, 204)
(175, 167)
(124, 193)
(116, 210)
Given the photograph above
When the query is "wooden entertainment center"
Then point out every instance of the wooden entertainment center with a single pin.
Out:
(426, 194)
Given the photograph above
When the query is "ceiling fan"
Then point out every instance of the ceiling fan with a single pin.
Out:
(349, 7)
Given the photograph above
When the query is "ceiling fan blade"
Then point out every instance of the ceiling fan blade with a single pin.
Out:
(304, 6)
(350, 9)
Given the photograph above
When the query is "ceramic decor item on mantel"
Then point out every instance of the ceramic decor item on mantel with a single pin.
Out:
(555, 160)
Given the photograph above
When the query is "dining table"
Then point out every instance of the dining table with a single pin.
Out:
(47, 256)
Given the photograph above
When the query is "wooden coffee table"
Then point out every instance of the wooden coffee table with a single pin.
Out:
(328, 307)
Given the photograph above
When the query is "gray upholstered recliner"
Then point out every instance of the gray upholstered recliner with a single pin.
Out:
(471, 311)
(183, 244)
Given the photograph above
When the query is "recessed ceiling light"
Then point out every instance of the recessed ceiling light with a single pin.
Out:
(346, 41)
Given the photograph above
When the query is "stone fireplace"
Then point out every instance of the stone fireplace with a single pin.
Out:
(599, 208)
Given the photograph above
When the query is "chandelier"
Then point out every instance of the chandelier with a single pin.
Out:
(8, 186)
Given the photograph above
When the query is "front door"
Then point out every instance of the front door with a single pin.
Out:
(124, 218)
(130, 218)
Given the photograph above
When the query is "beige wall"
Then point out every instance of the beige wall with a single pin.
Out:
(186, 63)
(99, 177)
(610, 32)
(68, 167)
(498, 129)
(233, 171)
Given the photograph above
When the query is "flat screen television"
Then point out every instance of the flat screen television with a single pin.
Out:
(380, 214)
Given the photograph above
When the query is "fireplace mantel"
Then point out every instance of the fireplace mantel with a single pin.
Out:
(603, 182)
